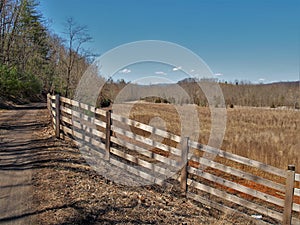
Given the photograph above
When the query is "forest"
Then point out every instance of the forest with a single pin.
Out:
(35, 61)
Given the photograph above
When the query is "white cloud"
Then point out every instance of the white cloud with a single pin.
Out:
(261, 79)
(177, 68)
(192, 71)
(218, 74)
(125, 71)
(160, 73)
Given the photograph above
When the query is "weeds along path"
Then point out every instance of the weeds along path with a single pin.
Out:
(44, 180)
(18, 145)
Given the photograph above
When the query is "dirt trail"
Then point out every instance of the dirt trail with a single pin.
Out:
(17, 142)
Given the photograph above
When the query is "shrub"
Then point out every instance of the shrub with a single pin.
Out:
(166, 101)
(104, 102)
(14, 83)
(158, 100)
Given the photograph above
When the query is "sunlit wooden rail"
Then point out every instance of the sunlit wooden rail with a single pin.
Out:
(213, 177)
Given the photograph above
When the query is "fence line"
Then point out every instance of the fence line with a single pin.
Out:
(228, 183)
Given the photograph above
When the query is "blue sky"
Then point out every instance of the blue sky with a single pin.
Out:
(254, 40)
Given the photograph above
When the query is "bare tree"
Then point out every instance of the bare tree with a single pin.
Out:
(77, 36)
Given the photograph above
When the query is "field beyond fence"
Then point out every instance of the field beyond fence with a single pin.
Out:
(228, 182)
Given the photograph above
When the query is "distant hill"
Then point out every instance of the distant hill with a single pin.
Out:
(257, 95)
(266, 95)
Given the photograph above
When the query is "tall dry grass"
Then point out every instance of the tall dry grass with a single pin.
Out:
(267, 135)
(270, 136)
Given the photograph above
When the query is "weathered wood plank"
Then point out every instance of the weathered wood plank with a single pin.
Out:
(147, 141)
(100, 112)
(86, 128)
(99, 123)
(57, 116)
(296, 207)
(83, 137)
(238, 173)
(53, 113)
(87, 124)
(53, 122)
(297, 177)
(142, 174)
(289, 194)
(48, 102)
(184, 163)
(235, 199)
(78, 104)
(238, 187)
(84, 106)
(67, 130)
(162, 171)
(145, 152)
(97, 151)
(147, 128)
(107, 134)
(66, 110)
(82, 116)
(297, 192)
(225, 209)
(239, 159)
(65, 100)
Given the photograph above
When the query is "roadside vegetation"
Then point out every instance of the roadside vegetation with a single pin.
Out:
(34, 60)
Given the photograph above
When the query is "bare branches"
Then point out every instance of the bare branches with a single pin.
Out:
(27, 47)
(77, 35)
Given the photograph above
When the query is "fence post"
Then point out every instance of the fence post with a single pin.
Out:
(57, 116)
(184, 163)
(49, 102)
(289, 194)
(108, 134)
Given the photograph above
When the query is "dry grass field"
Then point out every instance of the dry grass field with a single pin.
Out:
(267, 135)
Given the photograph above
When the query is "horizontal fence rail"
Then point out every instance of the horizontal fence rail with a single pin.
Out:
(213, 177)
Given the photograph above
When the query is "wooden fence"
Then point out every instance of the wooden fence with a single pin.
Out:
(229, 183)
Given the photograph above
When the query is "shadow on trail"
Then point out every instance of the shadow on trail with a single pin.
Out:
(88, 219)
(26, 126)
(57, 155)
(50, 153)
(37, 154)
(29, 106)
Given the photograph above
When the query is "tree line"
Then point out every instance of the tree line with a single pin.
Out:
(188, 91)
(34, 60)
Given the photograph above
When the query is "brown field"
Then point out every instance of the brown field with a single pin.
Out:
(270, 136)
